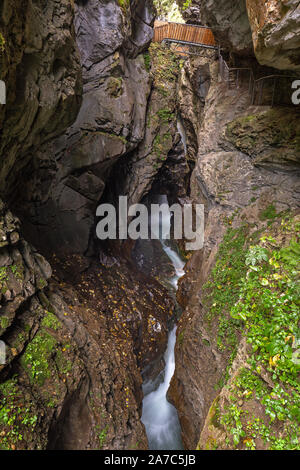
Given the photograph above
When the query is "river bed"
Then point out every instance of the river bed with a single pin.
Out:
(159, 416)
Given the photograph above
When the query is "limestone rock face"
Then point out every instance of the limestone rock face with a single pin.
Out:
(39, 63)
(270, 27)
(141, 167)
(228, 20)
(234, 174)
(111, 122)
(61, 361)
(78, 339)
(270, 138)
(275, 28)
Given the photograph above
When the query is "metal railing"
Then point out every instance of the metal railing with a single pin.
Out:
(234, 77)
(259, 88)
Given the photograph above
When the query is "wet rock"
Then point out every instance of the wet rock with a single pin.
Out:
(229, 180)
(275, 31)
(14, 237)
(41, 65)
(269, 138)
(110, 123)
(137, 172)
(75, 349)
(228, 20)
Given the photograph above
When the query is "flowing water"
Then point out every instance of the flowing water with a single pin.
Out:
(159, 416)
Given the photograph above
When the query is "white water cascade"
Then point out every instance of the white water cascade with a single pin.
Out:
(159, 416)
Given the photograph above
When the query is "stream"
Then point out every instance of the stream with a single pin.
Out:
(159, 416)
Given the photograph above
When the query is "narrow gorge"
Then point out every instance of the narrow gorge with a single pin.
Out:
(136, 344)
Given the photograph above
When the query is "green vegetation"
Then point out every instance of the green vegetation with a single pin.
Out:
(280, 128)
(165, 115)
(17, 270)
(42, 283)
(181, 337)
(166, 66)
(147, 60)
(270, 307)
(3, 273)
(16, 415)
(4, 322)
(115, 86)
(223, 286)
(269, 213)
(161, 146)
(124, 4)
(2, 43)
(102, 435)
(37, 356)
(3, 279)
(168, 10)
(50, 321)
(186, 4)
(262, 296)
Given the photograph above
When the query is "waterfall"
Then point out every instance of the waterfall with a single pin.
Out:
(181, 130)
(177, 263)
(159, 416)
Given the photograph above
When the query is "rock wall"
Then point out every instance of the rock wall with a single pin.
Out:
(39, 63)
(239, 176)
(68, 383)
(66, 178)
(228, 20)
(91, 115)
(77, 338)
(269, 28)
(275, 33)
(137, 171)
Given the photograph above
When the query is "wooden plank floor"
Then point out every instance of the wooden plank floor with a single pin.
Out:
(185, 33)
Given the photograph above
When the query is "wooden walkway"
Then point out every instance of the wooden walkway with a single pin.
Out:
(184, 34)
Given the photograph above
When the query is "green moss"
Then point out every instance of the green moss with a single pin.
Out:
(222, 289)
(115, 86)
(147, 60)
(50, 321)
(124, 4)
(3, 277)
(165, 115)
(64, 365)
(102, 436)
(162, 145)
(186, 4)
(4, 322)
(181, 337)
(37, 357)
(42, 283)
(214, 413)
(17, 418)
(280, 128)
(269, 213)
(268, 305)
(165, 64)
(18, 271)
(2, 43)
